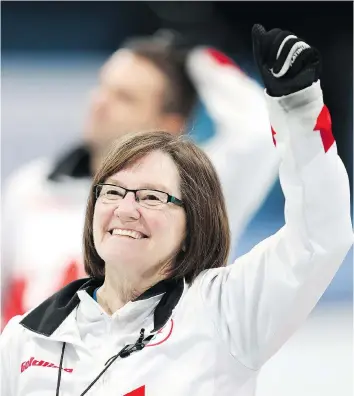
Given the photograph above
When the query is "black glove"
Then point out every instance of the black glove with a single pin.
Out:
(286, 63)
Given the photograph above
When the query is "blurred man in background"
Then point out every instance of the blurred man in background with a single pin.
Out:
(147, 84)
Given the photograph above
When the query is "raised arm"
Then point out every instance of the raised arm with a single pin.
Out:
(258, 302)
(242, 149)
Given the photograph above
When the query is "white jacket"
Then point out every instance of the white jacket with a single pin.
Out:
(39, 212)
(221, 329)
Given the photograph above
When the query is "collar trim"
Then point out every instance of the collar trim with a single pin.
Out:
(75, 163)
(49, 315)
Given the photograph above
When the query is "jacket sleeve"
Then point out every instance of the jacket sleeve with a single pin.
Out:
(12, 212)
(258, 302)
(242, 150)
(20, 189)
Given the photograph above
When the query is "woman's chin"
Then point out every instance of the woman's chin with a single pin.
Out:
(119, 245)
(125, 257)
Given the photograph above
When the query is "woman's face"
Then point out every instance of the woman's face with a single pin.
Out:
(135, 239)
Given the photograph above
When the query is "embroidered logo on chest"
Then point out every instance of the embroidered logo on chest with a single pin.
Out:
(41, 363)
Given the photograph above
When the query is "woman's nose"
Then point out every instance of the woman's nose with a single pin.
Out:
(127, 209)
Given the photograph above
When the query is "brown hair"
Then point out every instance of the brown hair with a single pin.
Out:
(207, 236)
(180, 95)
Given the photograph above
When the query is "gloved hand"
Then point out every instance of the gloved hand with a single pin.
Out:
(286, 63)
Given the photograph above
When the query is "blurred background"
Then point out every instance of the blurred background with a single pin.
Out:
(51, 55)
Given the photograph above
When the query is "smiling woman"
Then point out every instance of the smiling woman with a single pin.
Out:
(141, 217)
(175, 165)
(156, 240)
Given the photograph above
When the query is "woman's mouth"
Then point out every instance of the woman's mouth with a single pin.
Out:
(127, 233)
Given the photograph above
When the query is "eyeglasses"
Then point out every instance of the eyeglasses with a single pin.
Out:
(110, 193)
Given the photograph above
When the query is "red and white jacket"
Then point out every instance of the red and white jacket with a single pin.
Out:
(215, 334)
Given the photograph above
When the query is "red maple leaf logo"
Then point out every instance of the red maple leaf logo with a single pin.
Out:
(324, 126)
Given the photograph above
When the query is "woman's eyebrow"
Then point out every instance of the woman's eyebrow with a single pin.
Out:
(149, 186)
(153, 186)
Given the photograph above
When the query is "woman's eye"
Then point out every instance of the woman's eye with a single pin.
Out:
(151, 197)
(114, 193)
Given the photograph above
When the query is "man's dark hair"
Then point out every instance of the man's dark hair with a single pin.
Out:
(180, 96)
